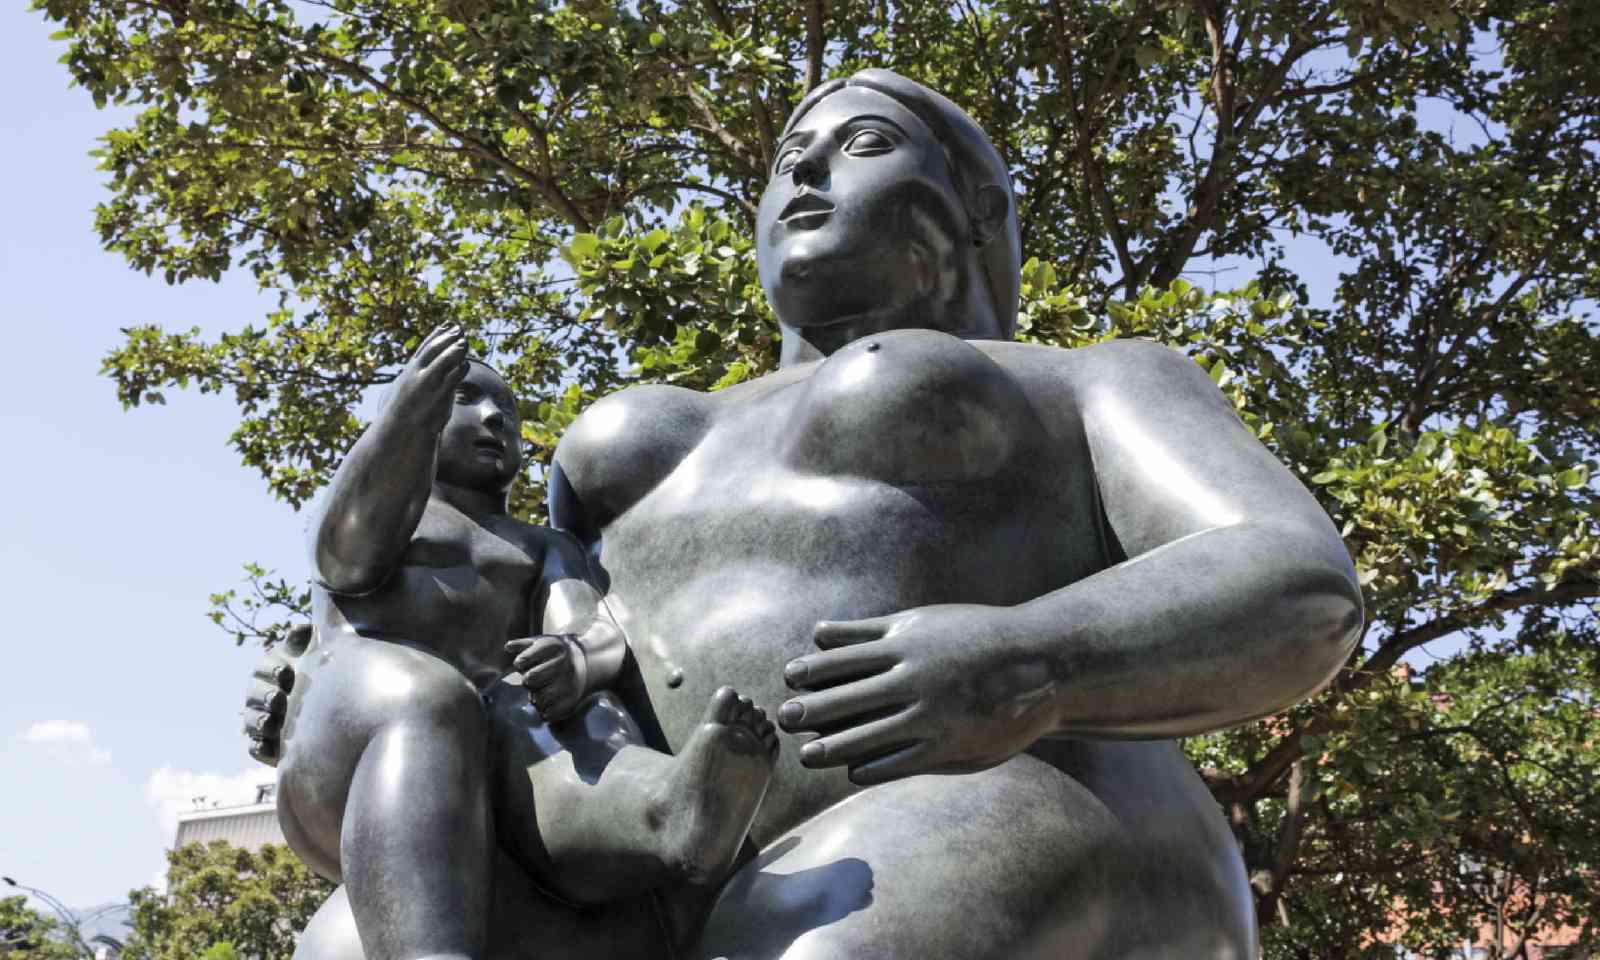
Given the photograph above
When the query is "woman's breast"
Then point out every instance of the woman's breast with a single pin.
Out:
(911, 407)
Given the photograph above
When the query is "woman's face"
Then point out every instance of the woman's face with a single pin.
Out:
(860, 214)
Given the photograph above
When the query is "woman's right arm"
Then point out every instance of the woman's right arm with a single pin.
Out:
(379, 492)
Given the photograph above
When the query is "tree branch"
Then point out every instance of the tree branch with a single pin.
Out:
(769, 133)
(816, 45)
(1288, 847)
(1232, 124)
(1262, 775)
(713, 126)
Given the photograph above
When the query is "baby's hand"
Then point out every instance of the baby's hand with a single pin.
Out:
(425, 386)
(552, 669)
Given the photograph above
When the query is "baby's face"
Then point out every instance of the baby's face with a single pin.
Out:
(481, 446)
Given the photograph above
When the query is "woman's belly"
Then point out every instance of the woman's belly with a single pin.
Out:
(726, 587)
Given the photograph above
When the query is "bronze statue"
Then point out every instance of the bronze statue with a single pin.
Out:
(981, 583)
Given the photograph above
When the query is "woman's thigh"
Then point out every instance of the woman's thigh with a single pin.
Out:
(524, 924)
(1016, 862)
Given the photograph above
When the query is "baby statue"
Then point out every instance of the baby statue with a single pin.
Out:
(408, 761)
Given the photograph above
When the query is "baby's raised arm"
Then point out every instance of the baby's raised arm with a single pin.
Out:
(378, 494)
(578, 649)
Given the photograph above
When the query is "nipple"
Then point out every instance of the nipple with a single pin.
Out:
(872, 346)
(675, 677)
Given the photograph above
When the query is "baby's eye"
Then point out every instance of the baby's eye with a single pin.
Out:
(868, 143)
(786, 160)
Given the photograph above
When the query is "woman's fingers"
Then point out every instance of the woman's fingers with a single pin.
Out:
(827, 708)
(265, 751)
(261, 725)
(829, 634)
(266, 697)
(855, 745)
(276, 672)
(904, 762)
(830, 667)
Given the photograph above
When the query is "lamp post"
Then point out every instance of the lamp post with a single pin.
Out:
(73, 923)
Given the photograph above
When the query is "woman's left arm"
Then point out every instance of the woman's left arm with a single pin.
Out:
(1238, 599)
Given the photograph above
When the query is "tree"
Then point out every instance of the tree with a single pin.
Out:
(574, 183)
(27, 934)
(223, 902)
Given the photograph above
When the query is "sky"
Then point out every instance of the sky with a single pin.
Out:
(119, 700)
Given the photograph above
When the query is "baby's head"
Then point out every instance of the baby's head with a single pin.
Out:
(481, 445)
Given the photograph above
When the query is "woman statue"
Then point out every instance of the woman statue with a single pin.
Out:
(981, 583)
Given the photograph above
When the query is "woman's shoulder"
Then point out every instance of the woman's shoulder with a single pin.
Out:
(1079, 369)
(625, 443)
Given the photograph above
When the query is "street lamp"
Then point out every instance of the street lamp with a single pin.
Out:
(72, 922)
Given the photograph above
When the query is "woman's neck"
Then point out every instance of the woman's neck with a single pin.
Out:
(969, 316)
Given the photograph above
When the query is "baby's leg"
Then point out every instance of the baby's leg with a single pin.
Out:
(593, 815)
(386, 776)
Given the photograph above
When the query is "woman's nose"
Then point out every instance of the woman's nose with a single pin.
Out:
(493, 416)
(810, 170)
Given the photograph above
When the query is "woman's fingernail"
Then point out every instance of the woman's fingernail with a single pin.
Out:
(792, 712)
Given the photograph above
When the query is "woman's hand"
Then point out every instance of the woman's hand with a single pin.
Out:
(267, 700)
(945, 688)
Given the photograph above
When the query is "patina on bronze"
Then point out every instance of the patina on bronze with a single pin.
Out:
(980, 582)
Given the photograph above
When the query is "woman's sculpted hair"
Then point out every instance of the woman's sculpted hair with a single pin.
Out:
(975, 168)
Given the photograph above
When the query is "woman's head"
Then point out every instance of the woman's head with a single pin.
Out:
(886, 196)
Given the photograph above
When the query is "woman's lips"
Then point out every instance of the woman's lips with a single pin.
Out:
(806, 211)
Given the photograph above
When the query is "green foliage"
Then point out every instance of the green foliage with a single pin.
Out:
(574, 182)
(27, 934)
(224, 902)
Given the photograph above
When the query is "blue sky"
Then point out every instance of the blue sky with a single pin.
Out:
(119, 701)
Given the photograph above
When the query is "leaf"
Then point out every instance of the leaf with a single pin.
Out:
(582, 247)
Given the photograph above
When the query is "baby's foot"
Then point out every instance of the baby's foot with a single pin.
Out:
(718, 781)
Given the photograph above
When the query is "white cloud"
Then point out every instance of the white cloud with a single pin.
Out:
(69, 741)
(172, 792)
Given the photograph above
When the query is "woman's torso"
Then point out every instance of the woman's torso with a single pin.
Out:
(908, 469)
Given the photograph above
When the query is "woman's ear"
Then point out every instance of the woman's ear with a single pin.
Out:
(989, 211)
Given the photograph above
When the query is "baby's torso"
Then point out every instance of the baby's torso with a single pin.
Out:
(462, 589)
(907, 469)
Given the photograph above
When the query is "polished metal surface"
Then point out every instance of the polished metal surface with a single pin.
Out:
(979, 584)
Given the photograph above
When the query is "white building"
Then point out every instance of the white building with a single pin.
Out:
(248, 826)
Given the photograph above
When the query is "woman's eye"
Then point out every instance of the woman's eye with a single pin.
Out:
(868, 143)
(786, 160)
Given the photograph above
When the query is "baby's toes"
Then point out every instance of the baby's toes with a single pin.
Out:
(724, 706)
